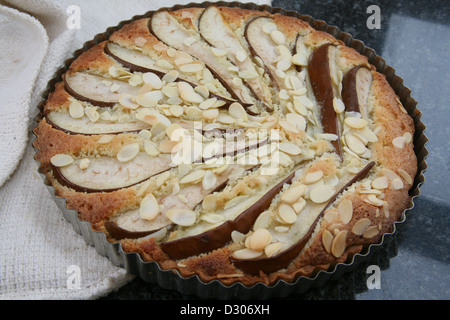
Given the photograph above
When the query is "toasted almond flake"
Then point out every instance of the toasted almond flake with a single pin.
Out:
(322, 193)
(338, 105)
(191, 68)
(128, 152)
(354, 144)
(360, 226)
(371, 232)
(209, 103)
(296, 120)
(408, 137)
(105, 139)
(314, 176)
(237, 237)
(176, 110)
(345, 209)
(219, 52)
(288, 126)
(126, 101)
(152, 79)
(391, 175)
(225, 118)
(273, 249)
(210, 114)
(209, 202)
(300, 59)
(61, 160)
(367, 134)
(167, 146)
(189, 41)
(163, 63)
(241, 55)
(188, 94)
(372, 199)
(246, 254)
(287, 213)
(339, 243)
(84, 163)
(209, 180)
(380, 183)
(284, 64)
(92, 113)
(327, 240)
(355, 122)
(292, 194)
(262, 221)
(259, 239)
(237, 111)
(397, 184)
(76, 110)
(182, 217)
(290, 148)
(399, 142)
(405, 175)
(299, 205)
(149, 207)
(268, 27)
(193, 177)
(277, 37)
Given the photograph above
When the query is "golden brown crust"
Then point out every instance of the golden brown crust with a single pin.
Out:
(388, 117)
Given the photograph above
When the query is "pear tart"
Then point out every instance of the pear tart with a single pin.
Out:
(229, 143)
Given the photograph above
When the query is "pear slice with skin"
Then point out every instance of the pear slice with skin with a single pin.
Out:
(356, 88)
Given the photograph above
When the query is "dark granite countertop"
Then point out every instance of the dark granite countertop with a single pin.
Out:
(414, 39)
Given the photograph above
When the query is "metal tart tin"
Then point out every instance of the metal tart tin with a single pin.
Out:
(193, 286)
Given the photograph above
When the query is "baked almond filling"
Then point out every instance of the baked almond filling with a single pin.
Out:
(229, 143)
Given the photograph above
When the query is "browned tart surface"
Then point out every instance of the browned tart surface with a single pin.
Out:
(230, 144)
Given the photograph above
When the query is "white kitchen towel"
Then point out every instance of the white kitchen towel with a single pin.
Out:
(41, 256)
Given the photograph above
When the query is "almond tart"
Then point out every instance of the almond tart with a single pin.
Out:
(232, 144)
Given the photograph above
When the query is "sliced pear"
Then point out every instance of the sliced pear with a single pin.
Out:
(217, 32)
(321, 63)
(355, 89)
(284, 258)
(243, 216)
(95, 89)
(107, 174)
(168, 30)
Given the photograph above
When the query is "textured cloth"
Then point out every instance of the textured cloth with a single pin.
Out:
(42, 257)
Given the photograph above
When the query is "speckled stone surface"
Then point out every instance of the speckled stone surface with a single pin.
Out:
(414, 39)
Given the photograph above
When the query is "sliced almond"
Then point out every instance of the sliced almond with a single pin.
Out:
(150, 148)
(268, 27)
(212, 218)
(338, 105)
(76, 110)
(246, 254)
(193, 177)
(191, 68)
(273, 249)
(327, 240)
(372, 199)
(299, 205)
(313, 177)
(290, 148)
(152, 79)
(188, 94)
(397, 184)
(360, 226)
(84, 163)
(105, 139)
(345, 209)
(339, 243)
(277, 37)
(209, 203)
(182, 217)
(128, 152)
(296, 120)
(370, 232)
(209, 180)
(405, 175)
(61, 160)
(355, 144)
(287, 213)
(237, 111)
(355, 122)
(399, 142)
(322, 193)
(149, 207)
(92, 113)
(380, 183)
(219, 52)
(259, 239)
(262, 221)
(293, 194)
(210, 114)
